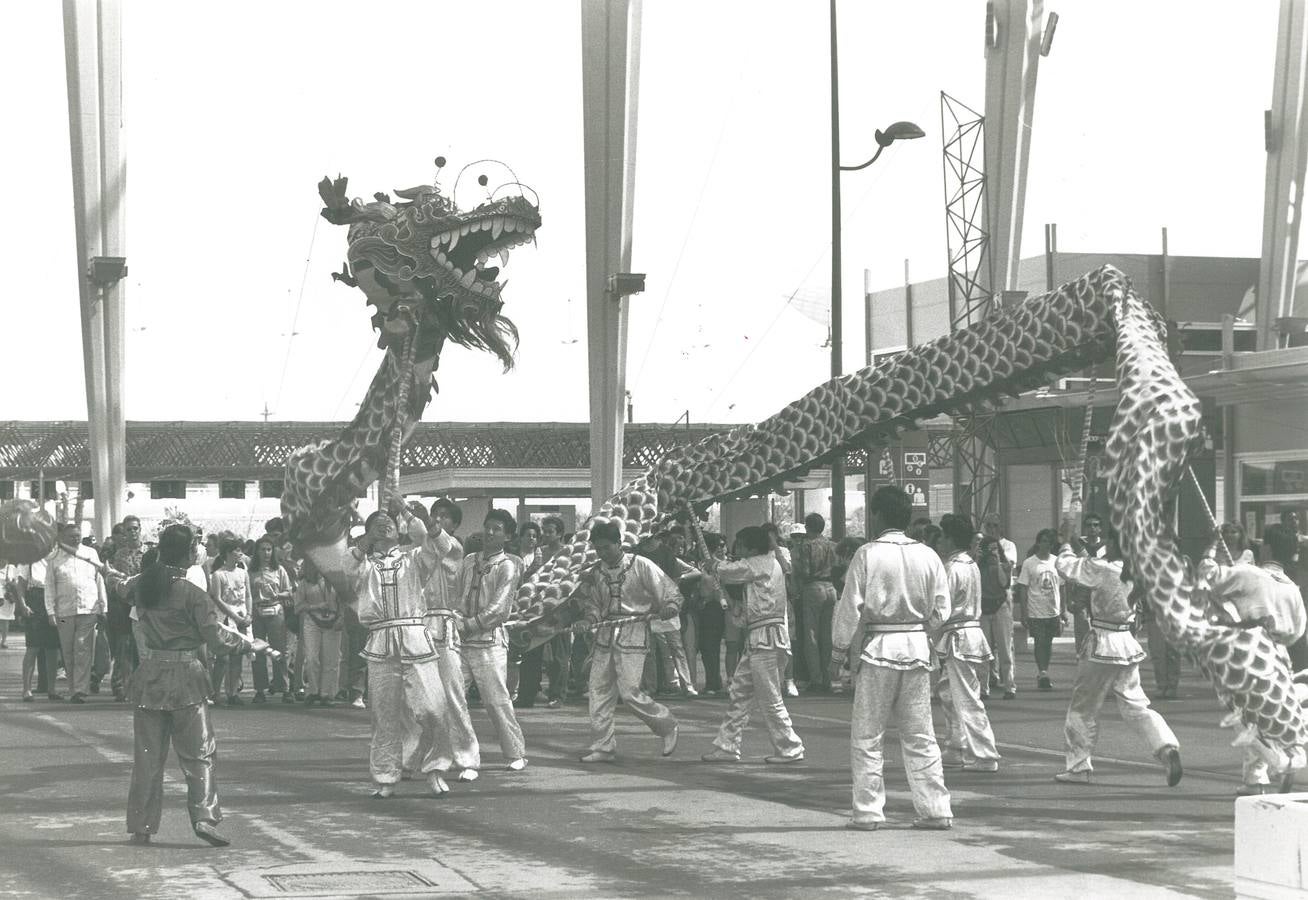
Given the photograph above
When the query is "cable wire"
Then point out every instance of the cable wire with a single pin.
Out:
(681, 252)
(295, 319)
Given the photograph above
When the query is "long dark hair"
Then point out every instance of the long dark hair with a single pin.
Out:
(256, 564)
(174, 555)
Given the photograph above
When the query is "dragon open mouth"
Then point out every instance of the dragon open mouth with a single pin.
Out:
(464, 250)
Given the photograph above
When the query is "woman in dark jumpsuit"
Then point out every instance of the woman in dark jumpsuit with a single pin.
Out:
(169, 689)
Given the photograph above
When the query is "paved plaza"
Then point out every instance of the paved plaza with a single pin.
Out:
(294, 784)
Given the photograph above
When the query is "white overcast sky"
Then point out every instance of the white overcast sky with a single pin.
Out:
(1147, 114)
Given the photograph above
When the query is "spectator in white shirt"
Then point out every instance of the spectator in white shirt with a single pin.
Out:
(75, 598)
(1038, 591)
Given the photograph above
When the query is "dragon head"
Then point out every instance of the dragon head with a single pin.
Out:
(422, 259)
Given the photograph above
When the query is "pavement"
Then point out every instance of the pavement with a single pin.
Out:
(294, 787)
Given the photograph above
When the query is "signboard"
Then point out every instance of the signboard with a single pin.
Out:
(886, 467)
(915, 464)
(918, 489)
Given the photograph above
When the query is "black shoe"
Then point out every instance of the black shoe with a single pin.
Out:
(56, 697)
(140, 837)
(259, 697)
(1044, 683)
(95, 685)
(1171, 758)
(206, 832)
(77, 698)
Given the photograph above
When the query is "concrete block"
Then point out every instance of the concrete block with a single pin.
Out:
(1271, 846)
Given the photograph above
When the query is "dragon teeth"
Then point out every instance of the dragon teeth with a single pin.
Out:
(504, 257)
(465, 228)
(497, 228)
(454, 239)
(510, 225)
(469, 279)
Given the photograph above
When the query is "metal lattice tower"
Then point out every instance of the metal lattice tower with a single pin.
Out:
(976, 477)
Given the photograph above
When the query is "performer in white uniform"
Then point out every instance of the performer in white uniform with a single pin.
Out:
(487, 581)
(622, 585)
(1109, 664)
(403, 675)
(1264, 595)
(758, 676)
(897, 589)
(970, 742)
(443, 613)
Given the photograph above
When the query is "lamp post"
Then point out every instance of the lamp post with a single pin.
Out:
(897, 131)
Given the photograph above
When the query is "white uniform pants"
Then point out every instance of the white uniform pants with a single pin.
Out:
(615, 675)
(396, 692)
(757, 680)
(967, 726)
(463, 749)
(1094, 682)
(998, 629)
(881, 696)
(488, 668)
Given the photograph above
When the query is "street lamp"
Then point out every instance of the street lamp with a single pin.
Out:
(899, 131)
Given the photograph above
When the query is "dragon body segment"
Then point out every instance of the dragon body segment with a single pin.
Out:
(423, 264)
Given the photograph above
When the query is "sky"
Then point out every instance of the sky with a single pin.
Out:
(1146, 115)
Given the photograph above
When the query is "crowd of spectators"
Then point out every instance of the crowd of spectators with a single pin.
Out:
(75, 608)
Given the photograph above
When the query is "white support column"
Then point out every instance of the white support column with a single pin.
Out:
(113, 222)
(610, 34)
(81, 54)
(1287, 153)
(1012, 60)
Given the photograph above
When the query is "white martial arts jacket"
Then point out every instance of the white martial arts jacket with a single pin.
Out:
(897, 589)
(1111, 614)
(486, 585)
(392, 603)
(1249, 592)
(765, 599)
(636, 586)
(961, 636)
(444, 603)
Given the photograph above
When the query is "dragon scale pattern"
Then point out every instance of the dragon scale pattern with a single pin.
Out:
(1002, 354)
(1153, 433)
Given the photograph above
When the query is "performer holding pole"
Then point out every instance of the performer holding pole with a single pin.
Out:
(169, 689)
(758, 676)
(897, 589)
(964, 655)
(403, 673)
(487, 581)
(1109, 664)
(1259, 597)
(623, 585)
(443, 604)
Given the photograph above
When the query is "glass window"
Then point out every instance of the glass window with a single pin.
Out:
(1278, 477)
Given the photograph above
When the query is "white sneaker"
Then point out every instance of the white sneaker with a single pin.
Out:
(468, 775)
(517, 765)
(358, 703)
(791, 690)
